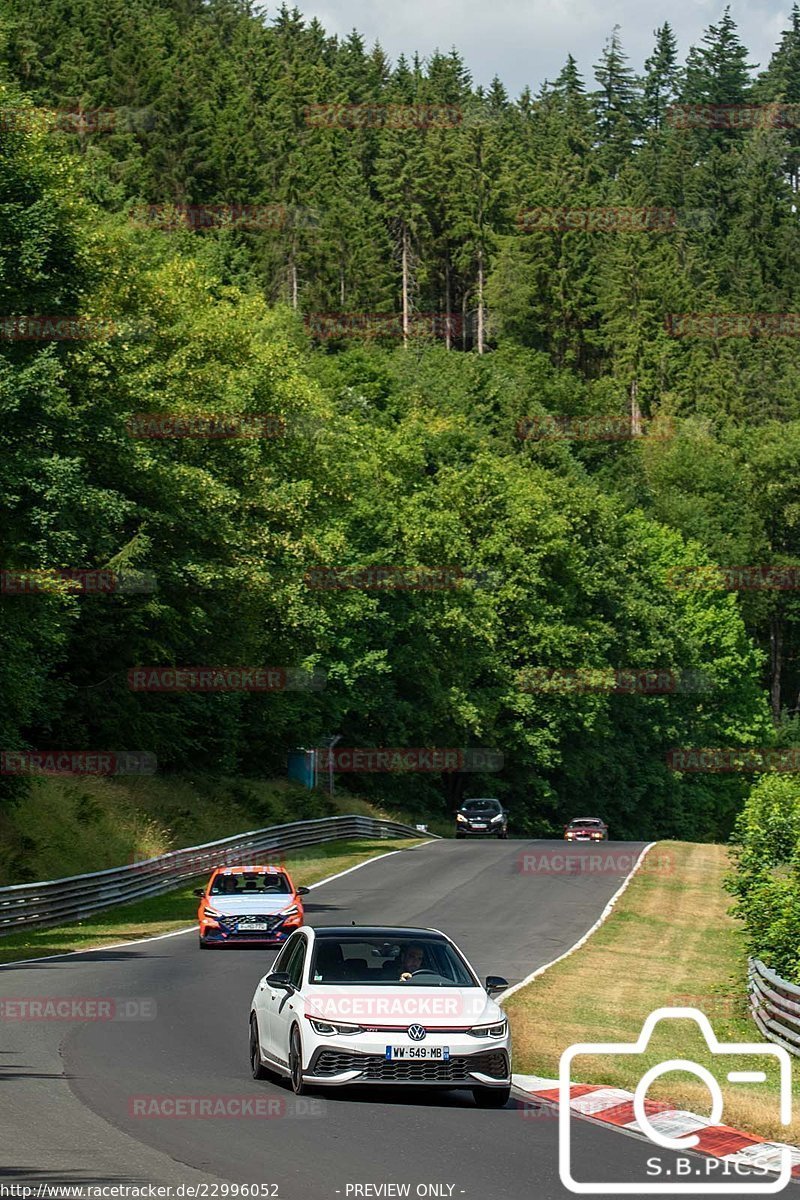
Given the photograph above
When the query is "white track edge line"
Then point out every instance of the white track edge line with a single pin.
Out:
(158, 937)
(600, 920)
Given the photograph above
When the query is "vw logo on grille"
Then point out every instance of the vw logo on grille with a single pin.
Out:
(417, 1033)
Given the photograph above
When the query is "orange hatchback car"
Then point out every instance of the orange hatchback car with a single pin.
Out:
(254, 905)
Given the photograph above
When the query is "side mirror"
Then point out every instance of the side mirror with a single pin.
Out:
(303, 891)
(496, 983)
(280, 979)
(199, 892)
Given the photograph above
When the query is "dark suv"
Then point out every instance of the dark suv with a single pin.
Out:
(486, 818)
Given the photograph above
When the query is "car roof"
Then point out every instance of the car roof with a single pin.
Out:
(268, 870)
(481, 799)
(587, 821)
(385, 931)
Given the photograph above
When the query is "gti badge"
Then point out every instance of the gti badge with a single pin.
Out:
(417, 1033)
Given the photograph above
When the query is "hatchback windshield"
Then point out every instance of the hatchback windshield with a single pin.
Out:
(422, 962)
(251, 883)
(484, 806)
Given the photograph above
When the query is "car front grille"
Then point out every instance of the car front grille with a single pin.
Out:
(243, 923)
(375, 1067)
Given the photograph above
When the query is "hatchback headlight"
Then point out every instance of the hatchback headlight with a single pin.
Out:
(499, 817)
(329, 1028)
(291, 911)
(498, 1030)
(461, 817)
(211, 912)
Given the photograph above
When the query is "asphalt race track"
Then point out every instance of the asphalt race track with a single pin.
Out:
(66, 1087)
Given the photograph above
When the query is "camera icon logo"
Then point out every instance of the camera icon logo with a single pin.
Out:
(686, 1142)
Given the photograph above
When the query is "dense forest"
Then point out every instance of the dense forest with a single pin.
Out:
(199, 183)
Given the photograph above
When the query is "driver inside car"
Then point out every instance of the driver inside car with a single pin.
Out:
(411, 961)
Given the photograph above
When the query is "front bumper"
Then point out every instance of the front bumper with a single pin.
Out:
(468, 1066)
(217, 937)
(487, 831)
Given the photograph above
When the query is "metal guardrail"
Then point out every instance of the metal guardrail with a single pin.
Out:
(34, 905)
(774, 1006)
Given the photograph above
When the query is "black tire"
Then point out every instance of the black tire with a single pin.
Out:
(257, 1069)
(296, 1063)
(203, 945)
(459, 834)
(491, 1097)
(504, 834)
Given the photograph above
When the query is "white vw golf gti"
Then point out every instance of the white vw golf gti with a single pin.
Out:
(371, 1004)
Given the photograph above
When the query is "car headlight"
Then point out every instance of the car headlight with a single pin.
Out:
(211, 912)
(291, 911)
(499, 817)
(498, 1030)
(329, 1028)
(598, 835)
(461, 817)
(569, 836)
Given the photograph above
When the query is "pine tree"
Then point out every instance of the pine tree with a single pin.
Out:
(662, 77)
(717, 72)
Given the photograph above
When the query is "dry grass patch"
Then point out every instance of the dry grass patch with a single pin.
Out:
(669, 941)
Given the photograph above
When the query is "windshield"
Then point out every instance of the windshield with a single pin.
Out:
(481, 806)
(251, 883)
(424, 962)
(591, 822)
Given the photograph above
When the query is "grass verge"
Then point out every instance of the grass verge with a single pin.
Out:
(176, 910)
(64, 825)
(669, 941)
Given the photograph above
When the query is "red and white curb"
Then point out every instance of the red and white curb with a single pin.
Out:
(613, 1106)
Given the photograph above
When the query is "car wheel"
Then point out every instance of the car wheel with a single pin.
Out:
(459, 834)
(490, 1097)
(504, 834)
(296, 1063)
(257, 1069)
(203, 945)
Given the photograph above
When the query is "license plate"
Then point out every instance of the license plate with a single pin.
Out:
(255, 925)
(442, 1053)
(477, 826)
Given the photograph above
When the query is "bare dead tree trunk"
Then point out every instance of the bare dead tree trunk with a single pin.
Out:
(776, 665)
(293, 281)
(448, 340)
(405, 285)
(480, 302)
(636, 412)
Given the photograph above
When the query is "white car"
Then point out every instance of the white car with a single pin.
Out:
(376, 1005)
